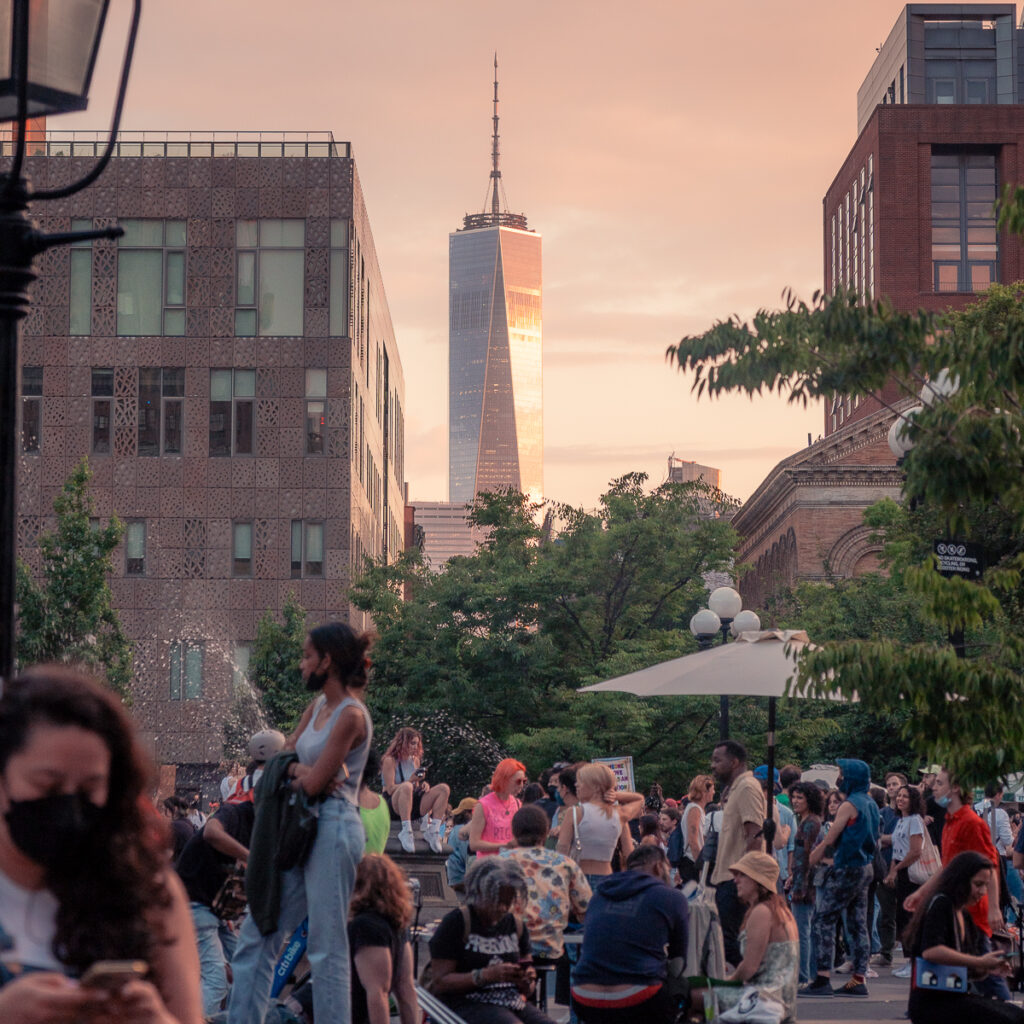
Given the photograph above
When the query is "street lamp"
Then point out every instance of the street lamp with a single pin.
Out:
(47, 55)
(725, 614)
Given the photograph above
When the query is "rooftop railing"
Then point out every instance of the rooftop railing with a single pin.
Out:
(215, 144)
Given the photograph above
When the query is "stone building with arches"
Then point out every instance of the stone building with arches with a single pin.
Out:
(806, 519)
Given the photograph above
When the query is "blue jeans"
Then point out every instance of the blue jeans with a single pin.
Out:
(804, 915)
(216, 943)
(993, 986)
(321, 890)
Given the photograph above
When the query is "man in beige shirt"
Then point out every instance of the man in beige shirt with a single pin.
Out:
(742, 822)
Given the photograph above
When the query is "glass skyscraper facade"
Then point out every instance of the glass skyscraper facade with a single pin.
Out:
(495, 377)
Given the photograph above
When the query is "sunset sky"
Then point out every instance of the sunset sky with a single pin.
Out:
(672, 154)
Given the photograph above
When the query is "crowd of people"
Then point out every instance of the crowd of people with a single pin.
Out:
(114, 909)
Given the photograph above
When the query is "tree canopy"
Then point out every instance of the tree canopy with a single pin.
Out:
(505, 637)
(67, 615)
(964, 480)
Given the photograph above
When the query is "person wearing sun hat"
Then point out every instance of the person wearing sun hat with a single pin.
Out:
(458, 840)
(769, 938)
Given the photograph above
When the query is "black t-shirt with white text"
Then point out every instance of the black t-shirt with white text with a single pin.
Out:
(500, 943)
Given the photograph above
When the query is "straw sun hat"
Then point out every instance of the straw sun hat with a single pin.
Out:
(761, 867)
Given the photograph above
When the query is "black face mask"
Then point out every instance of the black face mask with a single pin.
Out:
(53, 829)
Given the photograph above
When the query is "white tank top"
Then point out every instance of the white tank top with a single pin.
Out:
(310, 745)
(598, 833)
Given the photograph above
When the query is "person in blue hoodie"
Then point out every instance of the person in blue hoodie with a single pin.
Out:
(636, 923)
(851, 843)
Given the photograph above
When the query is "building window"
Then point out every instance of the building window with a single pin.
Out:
(339, 279)
(102, 408)
(316, 410)
(241, 549)
(269, 277)
(307, 548)
(151, 278)
(135, 547)
(186, 669)
(31, 408)
(232, 416)
(240, 667)
(161, 405)
(80, 282)
(964, 243)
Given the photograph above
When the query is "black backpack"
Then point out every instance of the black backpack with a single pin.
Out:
(709, 851)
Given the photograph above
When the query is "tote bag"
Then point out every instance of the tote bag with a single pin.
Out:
(927, 864)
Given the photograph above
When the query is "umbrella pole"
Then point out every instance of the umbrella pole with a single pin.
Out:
(723, 717)
(769, 825)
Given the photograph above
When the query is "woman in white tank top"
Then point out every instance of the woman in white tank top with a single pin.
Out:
(600, 822)
(331, 741)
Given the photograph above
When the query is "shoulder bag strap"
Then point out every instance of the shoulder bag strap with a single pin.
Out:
(576, 830)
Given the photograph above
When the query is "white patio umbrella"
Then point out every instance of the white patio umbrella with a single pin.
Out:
(758, 663)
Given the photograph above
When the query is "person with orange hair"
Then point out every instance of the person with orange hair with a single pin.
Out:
(490, 828)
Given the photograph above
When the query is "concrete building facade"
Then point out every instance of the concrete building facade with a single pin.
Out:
(230, 369)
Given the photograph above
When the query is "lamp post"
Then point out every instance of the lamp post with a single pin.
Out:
(47, 55)
(725, 614)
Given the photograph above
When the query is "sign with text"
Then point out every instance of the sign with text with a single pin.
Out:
(959, 559)
(622, 769)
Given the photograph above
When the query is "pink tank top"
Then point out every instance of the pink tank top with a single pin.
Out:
(497, 819)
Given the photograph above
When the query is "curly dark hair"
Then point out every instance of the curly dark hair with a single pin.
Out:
(812, 794)
(915, 800)
(106, 901)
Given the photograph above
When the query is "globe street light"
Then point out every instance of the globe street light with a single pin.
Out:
(724, 615)
(47, 55)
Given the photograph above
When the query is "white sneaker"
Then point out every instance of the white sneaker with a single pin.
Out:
(407, 841)
(433, 838)
(871, 974)
(902, 972)
(845, 968)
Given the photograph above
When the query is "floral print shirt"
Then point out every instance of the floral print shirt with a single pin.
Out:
(557, 887)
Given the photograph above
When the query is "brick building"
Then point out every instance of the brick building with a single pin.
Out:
(908, 219)
(230, 369)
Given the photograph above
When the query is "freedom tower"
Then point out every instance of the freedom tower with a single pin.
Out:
(495, 393)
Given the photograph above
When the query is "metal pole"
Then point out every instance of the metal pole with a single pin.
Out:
(769, 825)
(16, 274)
(723, 717)
(8, 475)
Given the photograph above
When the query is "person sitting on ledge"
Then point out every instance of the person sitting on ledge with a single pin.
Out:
(408, 793)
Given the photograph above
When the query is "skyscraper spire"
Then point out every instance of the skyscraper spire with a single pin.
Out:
(495, 153)
(495, 212)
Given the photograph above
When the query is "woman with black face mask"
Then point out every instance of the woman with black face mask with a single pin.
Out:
(332, 741)
(84, 874)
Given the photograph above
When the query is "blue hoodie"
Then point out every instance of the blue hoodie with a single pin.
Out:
(856, 846)
(631, 921)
